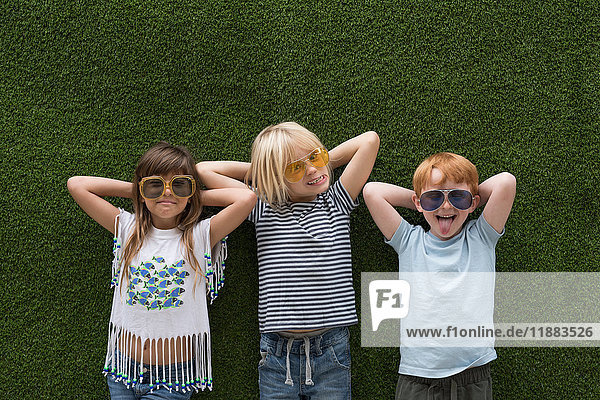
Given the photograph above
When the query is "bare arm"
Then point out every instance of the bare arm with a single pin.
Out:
(359, 153)
(498, 195)
(223, 174)
(237, 202)
(381, 198)
(88, 192)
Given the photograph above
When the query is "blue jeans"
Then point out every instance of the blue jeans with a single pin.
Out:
(138, 391)
(326, 377)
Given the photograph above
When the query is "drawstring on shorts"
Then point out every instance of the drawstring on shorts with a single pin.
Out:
(288, 376)
(308, 380)
(305, 336)
(453, 390)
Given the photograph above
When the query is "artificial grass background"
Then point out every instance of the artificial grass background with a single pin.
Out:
(87, 86)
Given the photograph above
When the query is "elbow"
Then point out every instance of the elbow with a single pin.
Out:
(369, 191)
(201, 169)
(509, 181)
(74, 182)
(506, 185)
(510, 177)
(367, 188)
(373, 138)
(250, 198)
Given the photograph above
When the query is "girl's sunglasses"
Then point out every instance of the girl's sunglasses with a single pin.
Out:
(294, 171)
(460, 199)
(153, 187)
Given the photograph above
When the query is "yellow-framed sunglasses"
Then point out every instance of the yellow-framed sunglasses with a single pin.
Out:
(153, 187)
(295, 170)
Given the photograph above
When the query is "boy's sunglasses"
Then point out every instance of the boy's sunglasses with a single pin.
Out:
(153, 187)
(294, 171)
(460, 199)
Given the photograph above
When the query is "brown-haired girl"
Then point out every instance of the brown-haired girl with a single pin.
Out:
(166, 258)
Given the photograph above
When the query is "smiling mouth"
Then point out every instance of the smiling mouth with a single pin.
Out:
(318, 180)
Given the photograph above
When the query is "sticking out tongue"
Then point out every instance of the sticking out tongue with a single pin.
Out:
(445, 224)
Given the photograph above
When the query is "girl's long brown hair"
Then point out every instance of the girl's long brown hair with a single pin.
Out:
(163, 159)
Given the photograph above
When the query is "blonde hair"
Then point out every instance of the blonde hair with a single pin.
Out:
(452, 166)
(163, 159)
(272, 150)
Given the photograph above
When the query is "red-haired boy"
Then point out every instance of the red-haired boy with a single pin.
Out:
(446, 191)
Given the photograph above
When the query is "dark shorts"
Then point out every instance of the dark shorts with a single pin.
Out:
(470, 384)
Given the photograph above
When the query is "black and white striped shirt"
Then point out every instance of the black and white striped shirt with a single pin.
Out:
(305, 263)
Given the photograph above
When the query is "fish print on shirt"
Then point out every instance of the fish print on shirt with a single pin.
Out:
(155, 285)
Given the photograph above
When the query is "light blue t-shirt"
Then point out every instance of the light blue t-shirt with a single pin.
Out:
(452, 285)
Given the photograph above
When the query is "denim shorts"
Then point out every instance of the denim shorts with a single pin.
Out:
(326, 375)
(145, 390)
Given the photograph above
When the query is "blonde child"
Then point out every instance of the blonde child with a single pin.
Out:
(166, 259)
(302, 220)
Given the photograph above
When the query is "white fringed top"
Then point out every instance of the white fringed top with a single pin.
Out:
(163, 301)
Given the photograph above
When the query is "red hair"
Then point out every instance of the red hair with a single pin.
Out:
(452, 166)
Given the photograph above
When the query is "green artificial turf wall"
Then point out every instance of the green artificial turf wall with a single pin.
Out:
(87, 86)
